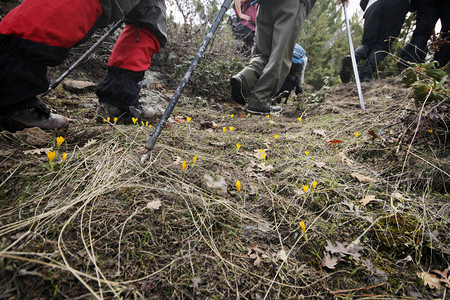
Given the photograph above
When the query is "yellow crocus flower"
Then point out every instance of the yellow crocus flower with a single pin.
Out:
(60, 140)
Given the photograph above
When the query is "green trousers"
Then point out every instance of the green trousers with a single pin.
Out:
(278, 27)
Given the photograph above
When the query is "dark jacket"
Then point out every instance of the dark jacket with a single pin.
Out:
(149, 14)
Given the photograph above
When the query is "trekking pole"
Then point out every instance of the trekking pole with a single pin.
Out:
(352, 54)
(54, 84)
(152, 140)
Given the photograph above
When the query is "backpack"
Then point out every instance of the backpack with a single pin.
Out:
(245, 6)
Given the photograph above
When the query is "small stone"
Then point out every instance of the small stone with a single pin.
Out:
(215, 184)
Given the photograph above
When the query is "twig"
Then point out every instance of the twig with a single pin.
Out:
(439, 104)
(358, 289)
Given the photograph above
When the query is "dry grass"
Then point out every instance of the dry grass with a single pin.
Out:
(84, 230)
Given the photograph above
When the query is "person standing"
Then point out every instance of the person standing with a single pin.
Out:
(40, 33)
(383, 21)
(244, 30)
(278, 27)
(428, 12)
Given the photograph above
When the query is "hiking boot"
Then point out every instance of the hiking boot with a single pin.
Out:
(37, 115)
(269, 110)
(239, 88)
(366, 79)
(124, 115)
(346, 71)
(279, 98)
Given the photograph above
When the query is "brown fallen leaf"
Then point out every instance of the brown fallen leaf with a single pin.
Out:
(372, 134)
(363, 178)
(342, 159)
(179, 119)
(329, 261)
(444, 276)
(430, 279)
(253, 247)
(367, 199)
(334, 142)
(154, 205)
(257, 259)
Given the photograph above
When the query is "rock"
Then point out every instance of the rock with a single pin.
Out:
(78, 86)
(34, 136)
(215, 184)
(152, 78)
(155, 100)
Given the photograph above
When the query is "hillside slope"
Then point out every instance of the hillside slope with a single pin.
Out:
(371, 190)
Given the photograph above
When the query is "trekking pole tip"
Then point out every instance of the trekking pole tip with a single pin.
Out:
(144, 157)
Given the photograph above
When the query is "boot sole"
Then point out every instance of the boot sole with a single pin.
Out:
(261, 113)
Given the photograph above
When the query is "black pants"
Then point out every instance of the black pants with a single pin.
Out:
(383, 23)
(24, 63)
(428, 13)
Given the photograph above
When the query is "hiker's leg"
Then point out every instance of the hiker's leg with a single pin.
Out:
(33, 36)
(142, 37)
(393, 14)
(372, 26)
(362, 52)
(263, 45)
(443, 56)
(426, 18)
(36, 35)
(378, 53)
(287, 19)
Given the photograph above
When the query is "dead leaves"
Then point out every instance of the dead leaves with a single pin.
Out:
(372, 134)
(334, 142)
(342, 159)
(435, 278)
(154, 205)
(363, 178)
(367, 199)
(329, 261)
(256, 254)
(334, 254)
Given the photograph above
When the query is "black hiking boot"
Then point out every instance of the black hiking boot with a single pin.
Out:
(346, 71)
(239, 88)
(124, 115)
(34, 115)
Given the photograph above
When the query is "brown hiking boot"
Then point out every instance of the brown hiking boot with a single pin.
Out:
(37, 115)
(124, 116)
